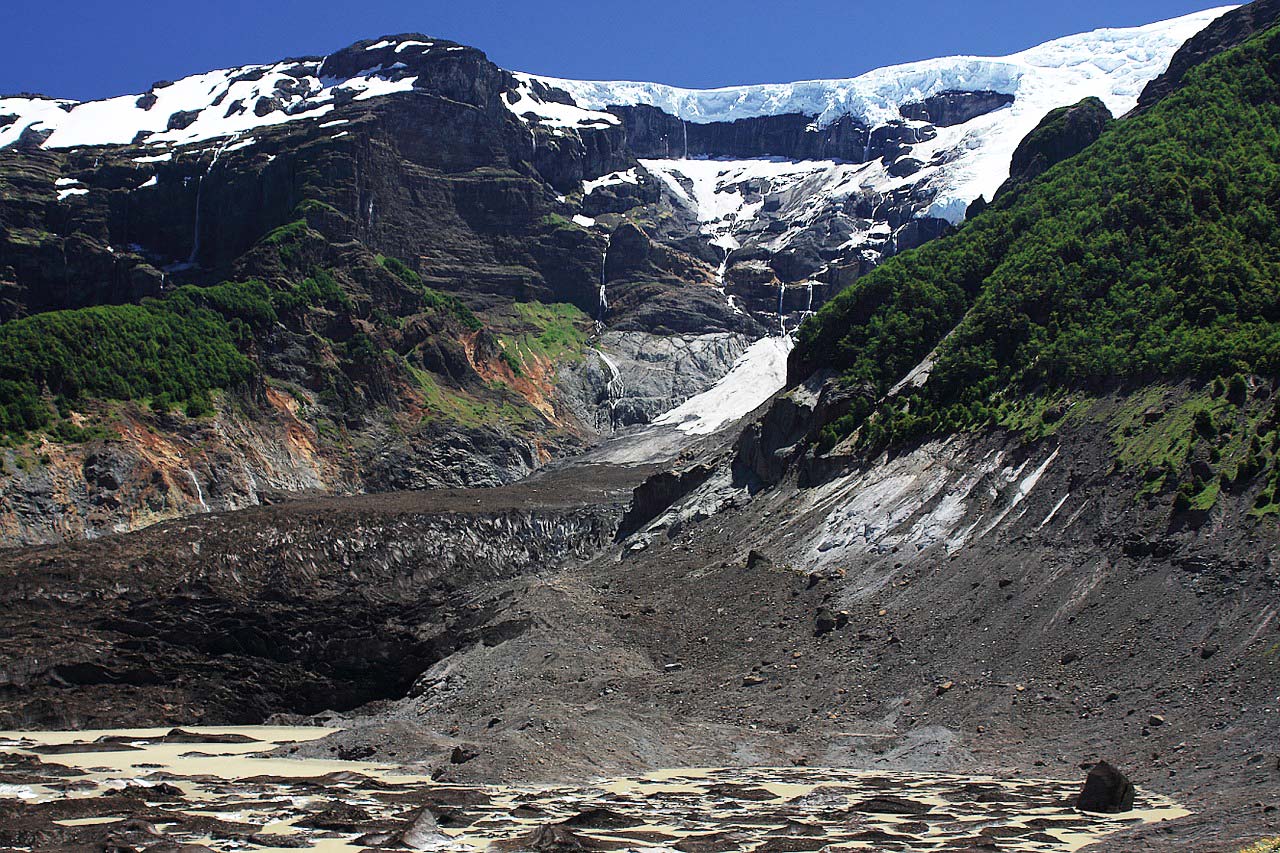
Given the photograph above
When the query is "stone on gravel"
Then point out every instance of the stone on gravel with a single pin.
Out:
(424, 833)
(340, 817)
(463, 754)
(1106, 791)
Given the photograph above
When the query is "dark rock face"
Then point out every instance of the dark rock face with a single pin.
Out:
(1061, 134)
(951, 108)
(656, 494)
(628, 252)
(652, 133)
(462, 74)
(1233, 28)
(1106, 791)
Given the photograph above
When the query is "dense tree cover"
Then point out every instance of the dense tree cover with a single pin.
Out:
(1156, 252)
(172, 351)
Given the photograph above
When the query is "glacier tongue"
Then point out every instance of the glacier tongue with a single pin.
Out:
(759, 374)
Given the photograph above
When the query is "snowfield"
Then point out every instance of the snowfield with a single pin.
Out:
(1114, 64)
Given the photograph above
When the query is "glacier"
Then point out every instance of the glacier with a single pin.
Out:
(1113, 65)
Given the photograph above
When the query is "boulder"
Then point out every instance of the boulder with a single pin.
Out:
(424, 832)
(1106, 791)
(889, 804)
(826, 621)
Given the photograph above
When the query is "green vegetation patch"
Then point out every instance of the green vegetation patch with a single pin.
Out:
(175, 351)
(432, 300)
(552, 332)
(318, 289)
(458, 407)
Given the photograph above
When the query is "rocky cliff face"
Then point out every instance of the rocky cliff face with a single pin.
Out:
(1063, 134)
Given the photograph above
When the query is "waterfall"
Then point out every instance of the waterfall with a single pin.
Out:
(602, 305)
(809, 308)
(616, 388)
(195, 239)
(782, 322)
(204, 507)
(866, 148)
(369, 214)
(721, 272)
(533, 136)
(684, 128)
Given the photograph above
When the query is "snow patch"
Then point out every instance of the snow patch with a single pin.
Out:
(248, 143)
(630, 176)
(552, 114)
(757, 375)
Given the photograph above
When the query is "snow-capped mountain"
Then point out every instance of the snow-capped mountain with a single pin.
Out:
(785, 192)
(964, 160)
(935, 136)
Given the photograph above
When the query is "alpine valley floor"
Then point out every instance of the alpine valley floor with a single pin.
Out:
(983, 608)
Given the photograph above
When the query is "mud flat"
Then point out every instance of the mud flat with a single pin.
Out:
(237, 789)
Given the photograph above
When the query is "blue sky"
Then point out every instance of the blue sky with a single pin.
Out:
(94, 48)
